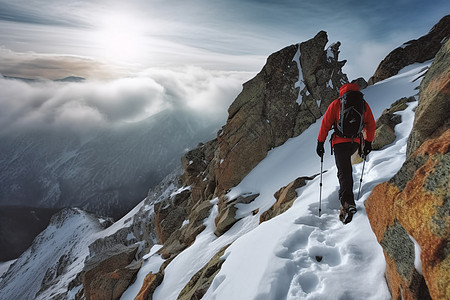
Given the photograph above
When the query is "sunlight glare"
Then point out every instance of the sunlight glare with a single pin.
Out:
(121, 38)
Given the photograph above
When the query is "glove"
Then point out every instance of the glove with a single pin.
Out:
(367, 148)
(320, 149)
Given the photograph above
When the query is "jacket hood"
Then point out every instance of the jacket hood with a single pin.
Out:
(348, 87)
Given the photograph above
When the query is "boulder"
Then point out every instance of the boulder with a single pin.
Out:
(227, 212)
(151, 282)
(285, 197)
(421, 50)
(184, 235)
(170, 214)
(385, 132)
(108, 275)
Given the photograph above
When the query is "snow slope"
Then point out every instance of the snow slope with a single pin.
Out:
(298, 255)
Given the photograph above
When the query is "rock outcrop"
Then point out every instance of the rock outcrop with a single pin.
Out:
(385, 132)
(109, 275)
(227, 212)
(414, 207)
(421, 50)
(201, 281)
(285, 198)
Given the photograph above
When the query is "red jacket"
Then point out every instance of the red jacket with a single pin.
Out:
(332, 116)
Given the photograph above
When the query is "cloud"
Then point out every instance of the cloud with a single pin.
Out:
(34, 65)
(84, 106)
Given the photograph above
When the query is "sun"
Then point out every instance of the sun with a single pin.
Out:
(120, 38)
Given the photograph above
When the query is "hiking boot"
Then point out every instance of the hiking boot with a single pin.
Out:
(351, 209)
(346, 213)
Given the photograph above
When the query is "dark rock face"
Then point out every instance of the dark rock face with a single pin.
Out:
(421, 50)
(415, 202)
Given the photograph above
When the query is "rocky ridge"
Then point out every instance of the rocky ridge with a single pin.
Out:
(413, 207)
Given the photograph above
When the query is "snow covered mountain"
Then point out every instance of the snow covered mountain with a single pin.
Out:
(209, 238)
(108, 173)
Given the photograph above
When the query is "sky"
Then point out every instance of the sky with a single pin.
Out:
(140, 57)
(116, 38)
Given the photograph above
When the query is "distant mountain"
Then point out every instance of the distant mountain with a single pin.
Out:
(66, 79)
(71, 79)
(107, 173)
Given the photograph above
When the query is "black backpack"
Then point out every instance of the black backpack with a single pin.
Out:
(351, 116)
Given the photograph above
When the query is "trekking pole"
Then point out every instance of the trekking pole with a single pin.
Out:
(320, 192)
(360, 180)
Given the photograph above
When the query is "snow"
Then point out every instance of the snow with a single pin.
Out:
(70, 236)
(330, 54)
(298, 255)
(417, 251)
(4, 266)
(330, 84)
(300, 83)
(152, 263)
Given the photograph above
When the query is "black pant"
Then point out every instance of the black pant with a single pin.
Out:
(342, 155)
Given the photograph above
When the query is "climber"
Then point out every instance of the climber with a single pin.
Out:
(349, 116)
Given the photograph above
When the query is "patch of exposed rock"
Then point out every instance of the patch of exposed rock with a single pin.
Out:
(227, 212)
(151, 282)
(385, 132)
(285, 198)
(139, 233)
(420, 50)
(109, 275)
(201, 281)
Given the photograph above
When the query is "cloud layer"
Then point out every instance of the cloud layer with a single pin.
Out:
(94, 104)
